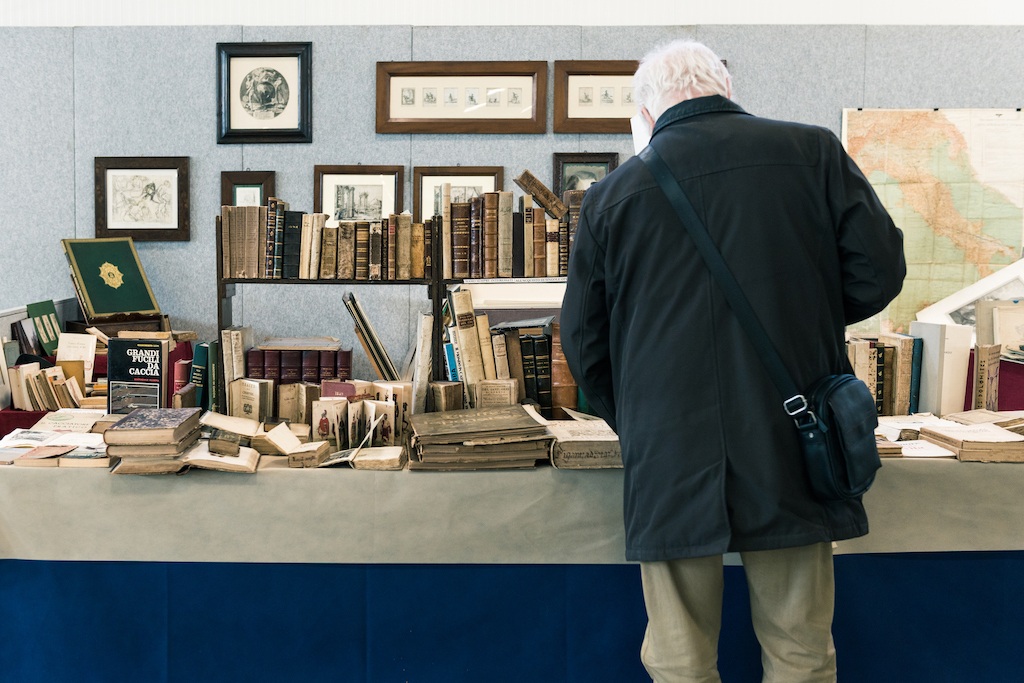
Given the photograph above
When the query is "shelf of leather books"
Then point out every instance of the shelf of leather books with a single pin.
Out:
(506, 575)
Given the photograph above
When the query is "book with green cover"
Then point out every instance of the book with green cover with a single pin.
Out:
(44, 317)
(109, 278)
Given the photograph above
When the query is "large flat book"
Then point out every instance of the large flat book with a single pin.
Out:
(584, 444)
(138, 374)
(109, 279)
(154, 450)
(984, 442)
(153, 426)
(475, 424)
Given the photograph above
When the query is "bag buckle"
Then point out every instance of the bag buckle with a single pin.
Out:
(795, 405)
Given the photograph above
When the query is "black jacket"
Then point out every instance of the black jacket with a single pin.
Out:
(711, 460)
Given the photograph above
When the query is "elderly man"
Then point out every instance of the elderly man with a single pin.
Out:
(712, 461)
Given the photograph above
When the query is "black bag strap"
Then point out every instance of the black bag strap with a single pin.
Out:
(796, 403)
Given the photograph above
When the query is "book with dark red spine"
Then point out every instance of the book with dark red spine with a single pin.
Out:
(343, 364)
(328, 365)
(272, 364)
(291, 366)
(254, 362)
(310, 366)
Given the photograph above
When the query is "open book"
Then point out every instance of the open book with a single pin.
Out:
(363, 457)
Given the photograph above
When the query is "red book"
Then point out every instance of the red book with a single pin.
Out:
(328, 365)
(182, 369)
(335, 387)
(254, 362)
(291, 366)
(310, 366)
(272, 364)
(343, 366)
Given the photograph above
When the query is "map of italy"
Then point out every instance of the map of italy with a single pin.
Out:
(953, 181)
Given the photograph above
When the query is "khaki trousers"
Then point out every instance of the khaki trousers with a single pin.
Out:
(792, 596)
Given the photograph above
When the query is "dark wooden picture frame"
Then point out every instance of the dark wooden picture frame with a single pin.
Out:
(565, 122)
(587, 167)
(426, 178)
(390, 194)
(233, 181)
(264, 92)
(462, 97)
(145, 198)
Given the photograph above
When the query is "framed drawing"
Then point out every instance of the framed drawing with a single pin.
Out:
(246, 188)
(594, 96)
(462, 97)
(264, 92)
(145, 198)
(358, 193)
(467, 182)
(579, 171)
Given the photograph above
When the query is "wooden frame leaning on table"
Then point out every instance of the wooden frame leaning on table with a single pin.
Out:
(578, 171)
(145, 198)
(358, 193)
(593, 96)
(246, 188)
(467, 182)
(462, 97)
(264, 92)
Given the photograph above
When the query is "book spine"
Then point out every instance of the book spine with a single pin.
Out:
(518, 245)
(316, 241)
(343, 365)
(531, 185)
(346, 250)
(310, 371)
(306, 247)
(292, 244)
(447, 233)
(504, 234)
(254, 363)
(526, 344)
(489, 235)
(416, 250)
(376, 246)
(252, 237)
(468, 340)
(564, 390)
(389, 265)
(460, 219)
(279, 240)
(403, 247)
(362, 250)
(272, 364)
(539, 244)
(476, 237)
(327, 365)
(563, 248)
(501, 369)
(526, 209)
(291, 366)
(483, 330)
(573, 199)
(431, 232)
(270, 230)
(542, 366)
(329, 253)
(551, 246)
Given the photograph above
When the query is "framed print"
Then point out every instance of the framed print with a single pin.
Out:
(594, 96)
(358, 193)
(145, 198)
(579, 171)
(264, 92)
(246, 188)
(462, 97)
(467, 182)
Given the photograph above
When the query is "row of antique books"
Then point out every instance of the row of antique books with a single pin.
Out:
(305, 246)
(506, 363)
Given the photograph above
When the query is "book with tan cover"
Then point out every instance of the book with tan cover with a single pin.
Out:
(468, 340)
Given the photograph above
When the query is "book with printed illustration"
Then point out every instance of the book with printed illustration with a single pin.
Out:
(138, 374)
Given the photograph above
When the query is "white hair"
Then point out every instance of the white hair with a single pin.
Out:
(680, 70)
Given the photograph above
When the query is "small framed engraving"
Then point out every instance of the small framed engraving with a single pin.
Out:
(358, 193)
(145, 198)
(594, 96)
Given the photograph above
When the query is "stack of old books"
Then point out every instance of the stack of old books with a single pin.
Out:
(152, 440)
(480, 438)
(981, 435)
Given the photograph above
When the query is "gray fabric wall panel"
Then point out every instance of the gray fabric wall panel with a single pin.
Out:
(146, 92)
(151, 91)
(37, 200)
(923, 67)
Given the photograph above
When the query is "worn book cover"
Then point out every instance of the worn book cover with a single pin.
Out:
(153, 450)
(109, 279)
(153, 426)
(459, 426)
(346, 260)
(460, 228)
(138, 374)
(584, 444)
(564, 389)
(986, 376)
(531, 185)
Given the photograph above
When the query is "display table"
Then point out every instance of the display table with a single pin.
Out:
(539, 516)
(450, 577)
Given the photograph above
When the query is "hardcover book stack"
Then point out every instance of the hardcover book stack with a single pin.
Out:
(504, 437)
(152, 440)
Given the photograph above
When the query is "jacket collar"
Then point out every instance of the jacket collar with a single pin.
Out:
(695, 107)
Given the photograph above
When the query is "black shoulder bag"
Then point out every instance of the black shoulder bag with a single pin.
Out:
(836, 417)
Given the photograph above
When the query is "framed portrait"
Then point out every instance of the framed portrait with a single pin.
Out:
(145, 198)
(246, 188)
(573, 171)
(264, 92)
(467, 182)
(594, 96)
(462, 97)
(358, 193)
